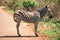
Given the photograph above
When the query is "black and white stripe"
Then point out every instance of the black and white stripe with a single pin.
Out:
(32, 17)
(26, 16)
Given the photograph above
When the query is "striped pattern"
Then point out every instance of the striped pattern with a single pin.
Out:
(26, 16)
(32, 17)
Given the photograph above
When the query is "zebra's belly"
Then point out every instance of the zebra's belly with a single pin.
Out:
(30, 19)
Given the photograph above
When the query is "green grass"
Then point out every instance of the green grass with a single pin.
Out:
(50, 33)
(54, 32)
(9, 11)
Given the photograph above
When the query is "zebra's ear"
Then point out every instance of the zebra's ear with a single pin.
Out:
(46, 6)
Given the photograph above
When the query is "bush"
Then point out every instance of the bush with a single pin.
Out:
(24, 4)
(54, 32)
(10, 4)
(30, 4)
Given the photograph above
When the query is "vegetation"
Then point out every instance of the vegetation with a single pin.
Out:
(54, 26)
(30, 4)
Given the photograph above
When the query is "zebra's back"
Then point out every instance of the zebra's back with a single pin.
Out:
(27, 16)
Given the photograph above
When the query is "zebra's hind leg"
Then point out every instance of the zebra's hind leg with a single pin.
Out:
(36, 25)
(17, 26)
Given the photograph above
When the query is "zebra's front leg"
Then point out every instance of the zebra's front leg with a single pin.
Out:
(17, 26)
(36, 26)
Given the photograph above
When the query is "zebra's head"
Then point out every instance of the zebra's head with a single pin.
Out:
(49, 12)
(45, 11)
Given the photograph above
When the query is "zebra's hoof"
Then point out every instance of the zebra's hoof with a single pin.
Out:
(19, 35)
(37, 35)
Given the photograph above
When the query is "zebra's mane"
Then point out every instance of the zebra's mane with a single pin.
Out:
(42, 8)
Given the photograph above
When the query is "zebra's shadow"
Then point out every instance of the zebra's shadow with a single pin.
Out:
(15, 36)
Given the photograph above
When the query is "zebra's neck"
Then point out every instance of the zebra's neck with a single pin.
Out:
(42, 12)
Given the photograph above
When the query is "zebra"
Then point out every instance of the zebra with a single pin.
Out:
(31, 17)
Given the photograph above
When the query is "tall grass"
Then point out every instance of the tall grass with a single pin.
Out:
(54, 32)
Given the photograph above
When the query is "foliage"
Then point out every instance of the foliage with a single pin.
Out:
(16, 4)
(30, 4)
(10, 4)
(58, 2)
(8, 10)
(41, 3)
(50, 33)
(54, 32)
(48, 1)
(13, 4)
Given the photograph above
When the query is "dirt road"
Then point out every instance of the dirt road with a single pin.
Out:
(8, 28)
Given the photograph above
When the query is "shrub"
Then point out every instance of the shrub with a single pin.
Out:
(53, 33)
(30, 4)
